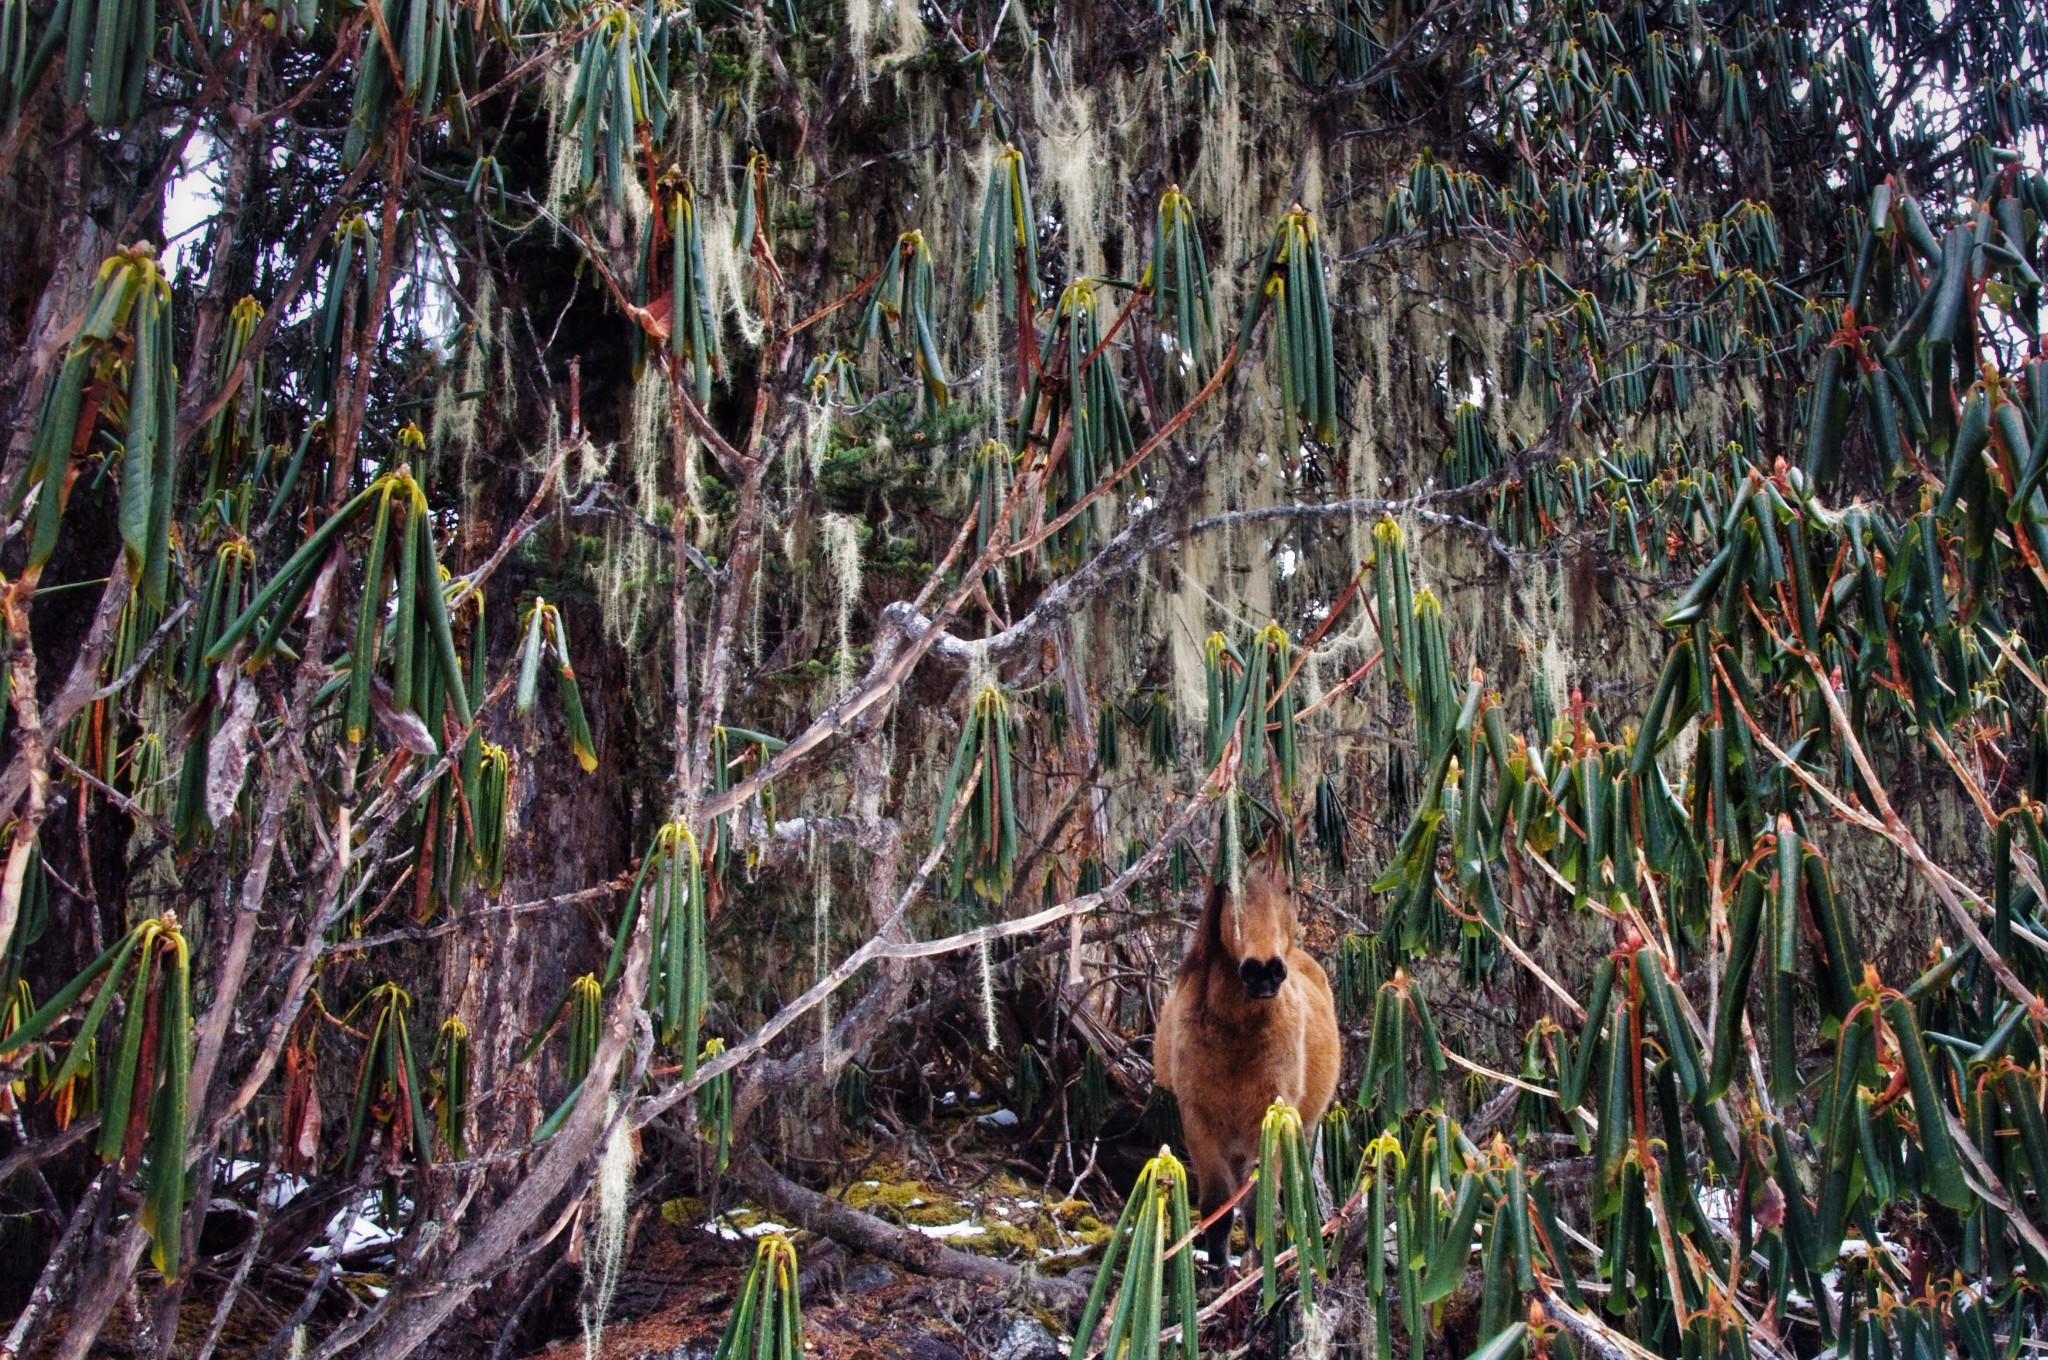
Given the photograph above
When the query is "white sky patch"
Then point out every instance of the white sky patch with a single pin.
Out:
(427, 290)
(434, 286)
(191, 202)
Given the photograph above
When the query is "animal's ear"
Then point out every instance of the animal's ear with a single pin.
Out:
(1270, 863)
(1267, 880)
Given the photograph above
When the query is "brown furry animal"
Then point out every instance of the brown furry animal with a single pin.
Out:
(1250, 1020)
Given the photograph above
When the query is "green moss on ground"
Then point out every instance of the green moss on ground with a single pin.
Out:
(1002, 1217)
(1014, 1223)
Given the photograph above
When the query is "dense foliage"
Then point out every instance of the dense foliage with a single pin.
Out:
(1580, 471)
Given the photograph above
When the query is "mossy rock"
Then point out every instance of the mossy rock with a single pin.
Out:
(691, 1215)
(686, 1212)
(937, 1213)
(1011, 1222)
(880, 1197)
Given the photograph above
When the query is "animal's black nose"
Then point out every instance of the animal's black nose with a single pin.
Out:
(1262, 979)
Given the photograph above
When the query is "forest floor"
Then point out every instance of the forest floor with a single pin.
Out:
(675, 1296)
(960, 1182)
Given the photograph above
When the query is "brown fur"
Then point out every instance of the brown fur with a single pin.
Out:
(1227, 1054)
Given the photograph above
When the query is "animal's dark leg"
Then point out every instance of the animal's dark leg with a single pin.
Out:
(1214, 1185)
(1216, 1241)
